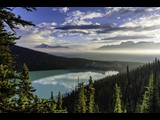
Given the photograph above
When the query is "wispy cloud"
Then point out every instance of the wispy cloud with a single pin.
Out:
(79, 18)
(64, 9)
(122, 37)
(33, 36)
(121, 11)
(61, 9)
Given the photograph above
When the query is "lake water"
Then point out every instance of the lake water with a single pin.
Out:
(63, 80)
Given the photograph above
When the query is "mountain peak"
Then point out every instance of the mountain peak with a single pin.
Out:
(43, 45)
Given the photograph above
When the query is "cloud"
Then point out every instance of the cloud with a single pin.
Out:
(32, 36)
(127, 29)
(69, 27)
(85, 15)
(108, 28)
(54, 9)
(122, 37)
(79, 18)
(122, 11)
(144, 21)
(61, 9)
(64, 9)
(82, 29)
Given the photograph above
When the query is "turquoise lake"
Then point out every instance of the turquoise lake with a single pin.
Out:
(63, 80)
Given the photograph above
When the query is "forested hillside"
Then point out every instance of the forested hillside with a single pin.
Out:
(36, 60)
(139, 91)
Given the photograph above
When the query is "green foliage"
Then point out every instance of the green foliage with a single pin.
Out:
(7, 72)
(150, 102)
(118, 103)
(59, 102)
(16, 92)
(7, 16)
(53, 102)
(84, 98)
(144, 108)
(90, 97)
(80, 106)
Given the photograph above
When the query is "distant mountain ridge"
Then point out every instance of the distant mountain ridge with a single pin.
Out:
(36, 61)
(48, 46)
(132, 45)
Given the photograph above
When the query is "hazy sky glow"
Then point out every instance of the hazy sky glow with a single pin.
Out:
(89, 27)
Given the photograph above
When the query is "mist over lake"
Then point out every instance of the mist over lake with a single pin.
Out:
(134, 55)
(63, 80)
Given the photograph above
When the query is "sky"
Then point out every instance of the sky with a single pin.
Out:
(89, 27)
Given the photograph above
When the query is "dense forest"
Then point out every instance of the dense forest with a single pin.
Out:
(135, 91)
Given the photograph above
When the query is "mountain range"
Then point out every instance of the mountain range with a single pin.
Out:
(48, 46)
(131, 45)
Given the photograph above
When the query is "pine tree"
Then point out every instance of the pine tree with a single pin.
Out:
(26, 87)
(128, 90)
(8, 76)
(53, 102)
(8, 17)
(155, 101)
(80, 106)
(59, 102)
(16, 92)
(145, 105)
(128, 75)
(96, 109)
(7, 72)
(118, 103)
(26, 91)
(90, 96)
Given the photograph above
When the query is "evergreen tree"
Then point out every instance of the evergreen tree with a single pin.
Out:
(96, 109)
(8, 17)
(128, 90)
(26, 87)
(52, 104)
(26, 91)
(16, 92)
(90, 96)
(7, 72)
(118, 103)
(145, 105)
(155, 101)
(59, 102)
(80, 106)
(8, 76)
(128, 75)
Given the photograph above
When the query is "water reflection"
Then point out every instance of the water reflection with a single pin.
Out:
(66, 82)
